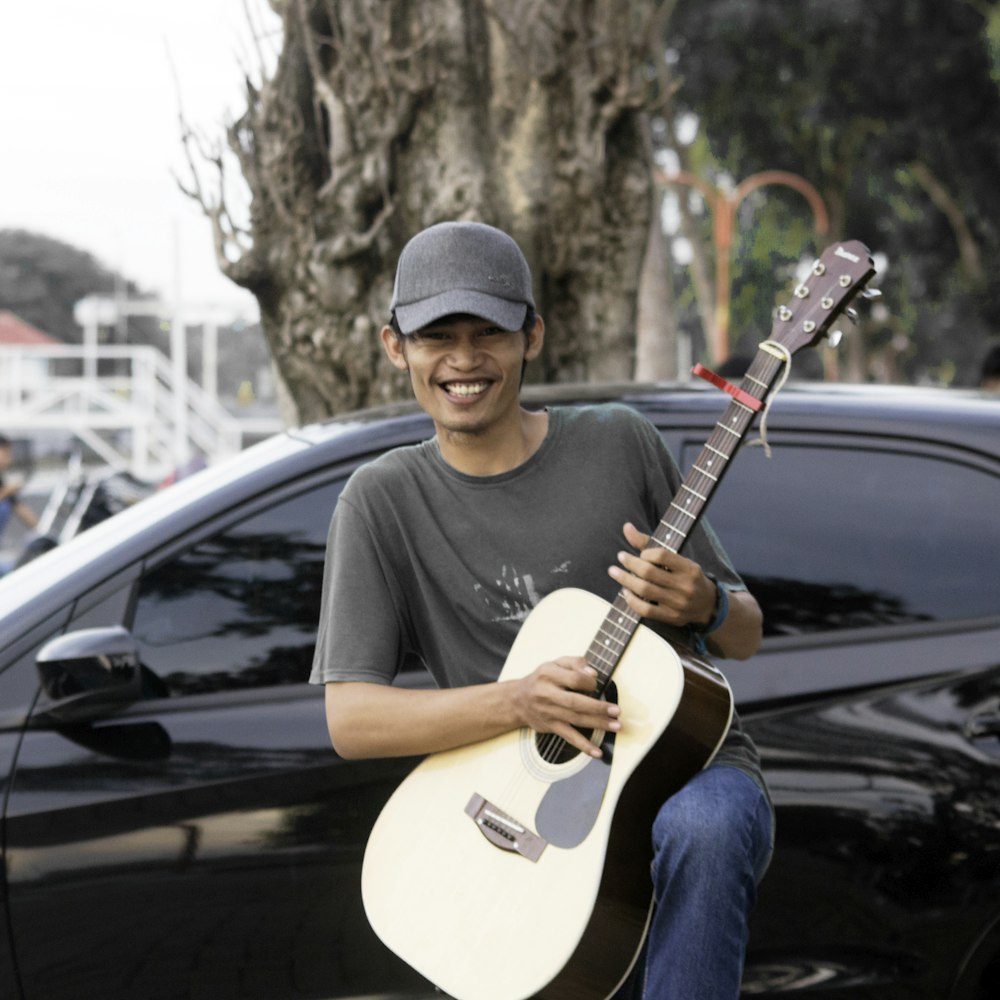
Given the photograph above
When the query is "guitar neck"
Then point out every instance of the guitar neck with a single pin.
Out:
(706, 473)
(687, 506)
(834, 279)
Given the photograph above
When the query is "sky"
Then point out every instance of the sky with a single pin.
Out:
(90, 95)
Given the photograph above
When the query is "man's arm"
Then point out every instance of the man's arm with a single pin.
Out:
(377, 720)
(26, 514)
(666, 587)
(18, 506)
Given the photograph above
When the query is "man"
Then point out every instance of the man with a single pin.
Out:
(11, 504)
(438, 551)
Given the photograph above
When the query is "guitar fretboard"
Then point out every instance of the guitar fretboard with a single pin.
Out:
(686, 508)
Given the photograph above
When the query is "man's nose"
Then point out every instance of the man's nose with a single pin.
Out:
(464, 352)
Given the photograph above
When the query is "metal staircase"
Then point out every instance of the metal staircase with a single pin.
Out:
(129, 405)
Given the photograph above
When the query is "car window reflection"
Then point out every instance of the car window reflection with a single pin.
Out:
(240, 609)
(923, 544)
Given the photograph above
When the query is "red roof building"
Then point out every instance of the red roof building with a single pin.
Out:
(15, 332)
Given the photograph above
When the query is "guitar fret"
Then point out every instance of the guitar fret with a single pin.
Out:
(611, 655)
(618, 621)
(686, 513)
(662, 542)
(763, 385)
(608, 661)
(695, 492)
(611, 640)
(624, 617)
(610, 637)
(721, 454)
(728, 430)
(714, 479)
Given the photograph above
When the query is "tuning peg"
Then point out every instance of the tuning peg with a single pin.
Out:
(871, 293)
(834, 337)
(852, 314)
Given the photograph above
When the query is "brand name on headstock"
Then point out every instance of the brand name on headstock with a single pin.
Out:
(847, 255)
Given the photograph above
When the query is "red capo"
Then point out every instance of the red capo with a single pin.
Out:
(752, 402)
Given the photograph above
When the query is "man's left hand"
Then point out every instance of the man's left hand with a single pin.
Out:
(662, 585)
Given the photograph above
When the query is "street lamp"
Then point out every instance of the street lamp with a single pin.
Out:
(723, 204)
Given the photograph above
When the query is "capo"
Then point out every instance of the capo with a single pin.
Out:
(749, 401)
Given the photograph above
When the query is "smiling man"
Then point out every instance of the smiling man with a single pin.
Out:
(438, 552)
(466, 373)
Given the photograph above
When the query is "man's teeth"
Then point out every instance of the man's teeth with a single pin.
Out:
(466, 388)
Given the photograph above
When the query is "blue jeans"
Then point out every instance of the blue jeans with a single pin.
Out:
(712, 843)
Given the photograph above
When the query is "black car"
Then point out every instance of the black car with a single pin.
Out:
(175, 823)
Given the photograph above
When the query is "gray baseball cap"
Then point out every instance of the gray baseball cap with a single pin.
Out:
(461, 267)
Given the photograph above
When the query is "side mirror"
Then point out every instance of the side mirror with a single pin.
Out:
(88, 674)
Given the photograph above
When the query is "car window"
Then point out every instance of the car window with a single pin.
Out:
(240, 608)
(831, 538)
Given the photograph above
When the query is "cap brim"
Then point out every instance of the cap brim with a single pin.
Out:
(459, 301)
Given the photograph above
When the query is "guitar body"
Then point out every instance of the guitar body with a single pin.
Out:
(499, 875)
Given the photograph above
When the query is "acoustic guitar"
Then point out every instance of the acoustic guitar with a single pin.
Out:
(518, 867)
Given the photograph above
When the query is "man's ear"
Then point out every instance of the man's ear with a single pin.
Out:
(392, 344)
(536, 337)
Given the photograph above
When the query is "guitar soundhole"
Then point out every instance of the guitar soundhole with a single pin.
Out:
(555, 750)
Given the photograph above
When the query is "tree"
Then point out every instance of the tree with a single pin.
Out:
(384, 116)
(891, 108)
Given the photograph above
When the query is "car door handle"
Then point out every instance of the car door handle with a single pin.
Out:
(982, 726)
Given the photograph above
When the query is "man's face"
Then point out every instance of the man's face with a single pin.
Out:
(465, 371)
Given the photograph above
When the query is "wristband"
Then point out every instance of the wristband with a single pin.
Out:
(721, 610)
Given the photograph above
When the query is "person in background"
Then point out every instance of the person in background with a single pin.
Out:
(11, 504)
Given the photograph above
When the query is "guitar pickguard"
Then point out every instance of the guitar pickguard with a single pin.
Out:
(570, 807)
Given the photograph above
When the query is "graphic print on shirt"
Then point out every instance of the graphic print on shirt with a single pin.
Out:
(514, 595)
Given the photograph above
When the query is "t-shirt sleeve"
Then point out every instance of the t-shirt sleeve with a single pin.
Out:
(360, 637)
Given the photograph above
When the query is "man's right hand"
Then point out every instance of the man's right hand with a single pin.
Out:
(558, 697)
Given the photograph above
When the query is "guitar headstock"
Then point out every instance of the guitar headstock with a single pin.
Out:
(835, 279)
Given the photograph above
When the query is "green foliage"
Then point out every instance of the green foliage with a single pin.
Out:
(891, 109)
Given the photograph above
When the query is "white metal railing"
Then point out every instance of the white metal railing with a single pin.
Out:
(125, 403)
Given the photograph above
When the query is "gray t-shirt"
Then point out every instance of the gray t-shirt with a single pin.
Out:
(427, 563)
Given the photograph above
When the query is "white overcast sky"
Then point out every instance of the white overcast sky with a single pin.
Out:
(89, 132)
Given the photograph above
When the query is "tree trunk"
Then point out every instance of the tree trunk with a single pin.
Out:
(384, 117)
(656, 327)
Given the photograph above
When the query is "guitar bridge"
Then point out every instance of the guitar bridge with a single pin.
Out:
(503, 831)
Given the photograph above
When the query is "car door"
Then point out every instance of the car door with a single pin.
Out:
(874, 702)
(206, 840)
